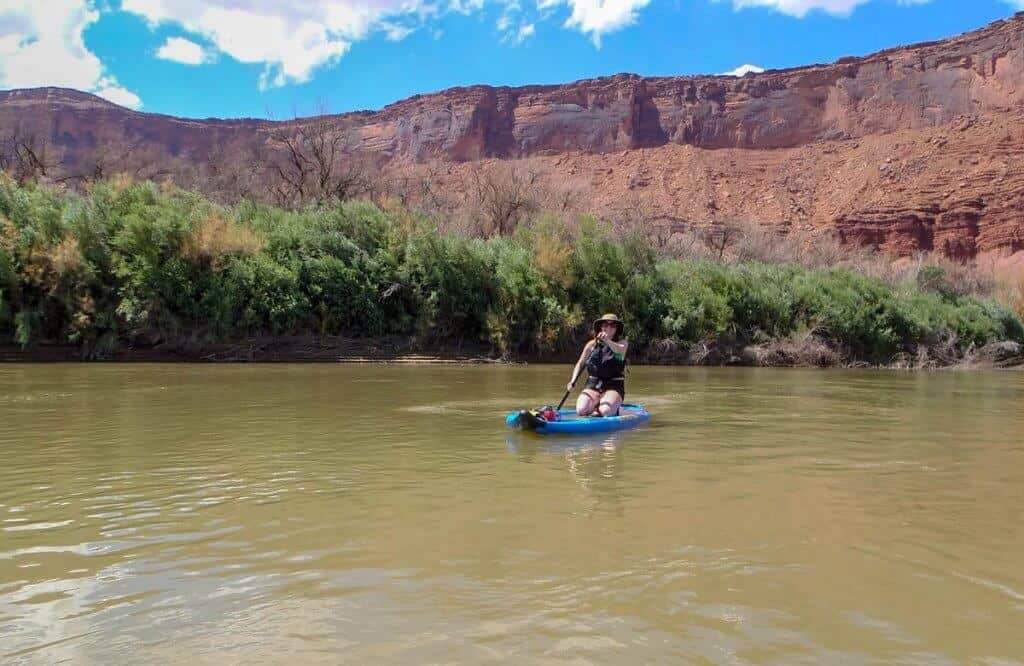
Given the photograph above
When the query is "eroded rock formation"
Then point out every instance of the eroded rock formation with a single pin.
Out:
(916, 148)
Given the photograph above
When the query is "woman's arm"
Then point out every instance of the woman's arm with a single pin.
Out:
(617, 347)
(580, 363)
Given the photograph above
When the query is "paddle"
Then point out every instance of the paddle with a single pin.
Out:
(577, 376)
(531, 419)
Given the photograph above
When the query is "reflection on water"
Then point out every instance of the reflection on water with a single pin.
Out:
(344, 513)
(592, 461)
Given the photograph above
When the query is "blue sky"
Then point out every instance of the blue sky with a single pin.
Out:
(259, 58)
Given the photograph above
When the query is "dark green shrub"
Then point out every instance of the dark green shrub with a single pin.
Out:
(697, 307)
(527, 312)
(352, 297)
(126, 258)
(262, 296)
(449, 280)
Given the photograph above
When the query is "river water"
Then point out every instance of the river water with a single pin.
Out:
(384, 514)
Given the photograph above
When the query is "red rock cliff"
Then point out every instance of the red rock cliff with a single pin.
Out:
(971, 85)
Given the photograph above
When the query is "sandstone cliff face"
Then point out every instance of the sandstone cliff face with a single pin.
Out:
(956, 189)
(920, 86)
(910, 149)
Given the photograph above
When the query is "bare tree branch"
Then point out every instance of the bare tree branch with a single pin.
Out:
(315, 160)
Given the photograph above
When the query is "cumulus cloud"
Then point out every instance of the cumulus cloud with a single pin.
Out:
(42, 44)
(597, 18)
(119, 95)
(41, 41)
(291, 40)
(743, 70)
(182, 50)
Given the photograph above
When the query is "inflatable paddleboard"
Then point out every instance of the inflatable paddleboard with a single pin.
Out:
(568, 422)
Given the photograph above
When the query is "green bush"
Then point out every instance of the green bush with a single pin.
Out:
(97, 268)
(261, 295)
(350, 296)
(449, 280)
(527, 310)
(599, 269)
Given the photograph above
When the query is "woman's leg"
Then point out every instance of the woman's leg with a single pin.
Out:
(610, 401)
(587, 401)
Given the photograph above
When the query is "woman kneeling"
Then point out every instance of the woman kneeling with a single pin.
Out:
(605, 360)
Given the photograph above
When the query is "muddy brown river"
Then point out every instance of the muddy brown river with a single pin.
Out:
(384, 514)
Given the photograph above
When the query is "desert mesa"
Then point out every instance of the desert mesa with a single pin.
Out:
(908, 150)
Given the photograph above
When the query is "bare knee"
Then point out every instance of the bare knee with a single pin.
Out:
(585, 405)
(610, 404)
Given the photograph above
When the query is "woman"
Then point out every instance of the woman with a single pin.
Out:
(605, 360)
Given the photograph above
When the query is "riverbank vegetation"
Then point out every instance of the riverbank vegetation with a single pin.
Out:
(143, 264)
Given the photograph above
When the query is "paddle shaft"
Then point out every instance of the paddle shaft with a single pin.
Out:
(564, 397)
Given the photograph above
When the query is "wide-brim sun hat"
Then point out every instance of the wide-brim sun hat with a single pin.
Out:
(608, 318)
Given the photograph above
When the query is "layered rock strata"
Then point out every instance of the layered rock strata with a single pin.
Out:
(911, 149)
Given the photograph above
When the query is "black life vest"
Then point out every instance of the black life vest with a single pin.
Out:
(603, 363)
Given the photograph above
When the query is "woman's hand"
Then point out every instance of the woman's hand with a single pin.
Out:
(602, 336)
(568, 387)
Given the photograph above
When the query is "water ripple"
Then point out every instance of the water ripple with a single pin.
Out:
(258, 513)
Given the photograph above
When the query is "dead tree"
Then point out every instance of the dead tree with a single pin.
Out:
(504, 196)
(316, 161)
(427, 187)
(230, 178)
(24, 156)
(721, 236)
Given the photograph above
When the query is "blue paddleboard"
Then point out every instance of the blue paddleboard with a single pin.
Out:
(568, 422)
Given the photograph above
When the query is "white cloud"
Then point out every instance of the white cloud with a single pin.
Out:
(182, 50)
(291, 40)
(799, 8)
(465, 6)
(42, 44)
(508, 20)
(9, 44)
(121, 96)
(512, 25)
(395, 32)
(743, 70)
(598, 17)
(525, 31)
